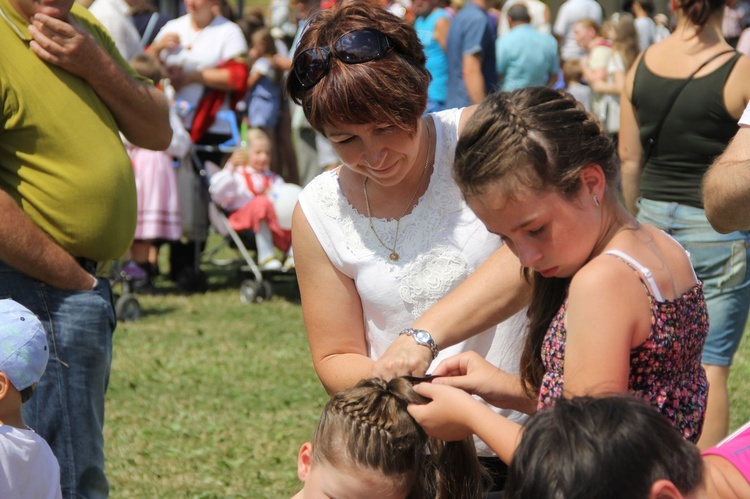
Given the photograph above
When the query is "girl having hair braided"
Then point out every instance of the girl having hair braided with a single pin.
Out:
(616, 306)
(367, 445)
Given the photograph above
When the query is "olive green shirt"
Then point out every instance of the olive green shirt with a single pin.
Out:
(61, 156)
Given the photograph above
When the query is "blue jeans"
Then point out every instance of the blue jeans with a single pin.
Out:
(721, 261)
(67, 408)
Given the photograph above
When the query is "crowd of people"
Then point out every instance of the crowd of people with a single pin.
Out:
(509, 209)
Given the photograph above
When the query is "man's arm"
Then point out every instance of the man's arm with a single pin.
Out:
(726, 186)
(25, 247)
(473, 78)
(141, 111)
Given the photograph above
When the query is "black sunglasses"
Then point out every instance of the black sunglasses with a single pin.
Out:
(354, 47)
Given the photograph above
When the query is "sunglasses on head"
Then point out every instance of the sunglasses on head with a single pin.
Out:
(354, 47)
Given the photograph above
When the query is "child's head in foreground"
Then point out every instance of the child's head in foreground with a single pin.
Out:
(367, 445)
(603, 448)
(23, 355)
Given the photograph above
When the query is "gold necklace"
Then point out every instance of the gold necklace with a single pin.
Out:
(394, 256)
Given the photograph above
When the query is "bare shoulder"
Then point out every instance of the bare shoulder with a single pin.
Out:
(603, 275)
(673, 251)
(667, 260)
(608, 291)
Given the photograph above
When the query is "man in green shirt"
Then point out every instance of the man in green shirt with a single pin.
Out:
(67, 198)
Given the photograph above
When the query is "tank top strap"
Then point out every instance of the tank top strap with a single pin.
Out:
(643, 272)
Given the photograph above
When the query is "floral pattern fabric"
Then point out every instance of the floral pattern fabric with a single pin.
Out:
(665, 370)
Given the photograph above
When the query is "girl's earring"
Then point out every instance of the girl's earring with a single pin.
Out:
(596, 200)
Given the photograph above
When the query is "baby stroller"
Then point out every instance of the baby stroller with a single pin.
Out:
(256, 283)
(124, 280)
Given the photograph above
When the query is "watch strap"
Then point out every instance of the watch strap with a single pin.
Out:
(429, 343)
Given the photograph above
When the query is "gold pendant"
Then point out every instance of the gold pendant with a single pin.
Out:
(393, 256)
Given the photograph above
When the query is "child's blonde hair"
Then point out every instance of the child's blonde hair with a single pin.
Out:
(367, 427)
(254, 134)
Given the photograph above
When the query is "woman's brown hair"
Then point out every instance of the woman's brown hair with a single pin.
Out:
(388, 91)
(367, 428)
(541, 139)
(698, 11)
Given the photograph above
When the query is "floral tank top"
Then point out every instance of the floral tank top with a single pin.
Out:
(665, 370)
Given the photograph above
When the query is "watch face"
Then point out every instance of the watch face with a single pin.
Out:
(422, 337)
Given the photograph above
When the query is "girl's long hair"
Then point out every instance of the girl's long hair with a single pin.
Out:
(540, 139)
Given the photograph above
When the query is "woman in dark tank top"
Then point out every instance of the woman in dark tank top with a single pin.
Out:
(683, 124)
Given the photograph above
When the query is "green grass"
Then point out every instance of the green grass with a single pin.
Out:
(212, 398)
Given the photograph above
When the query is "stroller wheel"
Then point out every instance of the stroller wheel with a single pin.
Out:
(252, 291)
(127, 308)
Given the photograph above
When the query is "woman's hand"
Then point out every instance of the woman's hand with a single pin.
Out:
(449, 415)
(170, 41)
(404, 357)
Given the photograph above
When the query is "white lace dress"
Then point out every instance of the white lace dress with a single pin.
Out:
(440, 243)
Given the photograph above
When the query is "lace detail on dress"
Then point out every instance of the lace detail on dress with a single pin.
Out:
(430, 217)
(431, 277)
(665, 370)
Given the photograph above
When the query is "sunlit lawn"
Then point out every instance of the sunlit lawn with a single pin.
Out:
(210, 397)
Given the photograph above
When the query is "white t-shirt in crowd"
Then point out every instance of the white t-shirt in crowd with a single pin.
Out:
(28, 469)
(570, 13)
(220, 41)
(115, 16)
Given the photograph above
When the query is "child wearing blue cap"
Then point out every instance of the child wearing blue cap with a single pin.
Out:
(28, 468)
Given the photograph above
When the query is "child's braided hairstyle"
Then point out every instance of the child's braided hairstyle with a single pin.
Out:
(367, 428)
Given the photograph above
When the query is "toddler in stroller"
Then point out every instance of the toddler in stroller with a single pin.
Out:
(244, 188)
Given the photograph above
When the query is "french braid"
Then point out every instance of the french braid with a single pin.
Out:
(367, 427)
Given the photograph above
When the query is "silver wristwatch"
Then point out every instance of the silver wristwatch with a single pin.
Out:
(423, 338)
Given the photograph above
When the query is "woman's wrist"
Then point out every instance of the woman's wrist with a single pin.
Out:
(423, 338)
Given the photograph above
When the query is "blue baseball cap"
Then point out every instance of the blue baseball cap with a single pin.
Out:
(23, 345)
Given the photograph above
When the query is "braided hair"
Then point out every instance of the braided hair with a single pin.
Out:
(368, 428)
(541, 139)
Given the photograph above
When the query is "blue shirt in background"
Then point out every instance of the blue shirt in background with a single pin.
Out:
(437, 61)
(526, 58)
(470, 33)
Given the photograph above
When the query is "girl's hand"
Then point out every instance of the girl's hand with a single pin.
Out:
(468, 371)
(472, 373)
(403, 358)
(449, 415)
